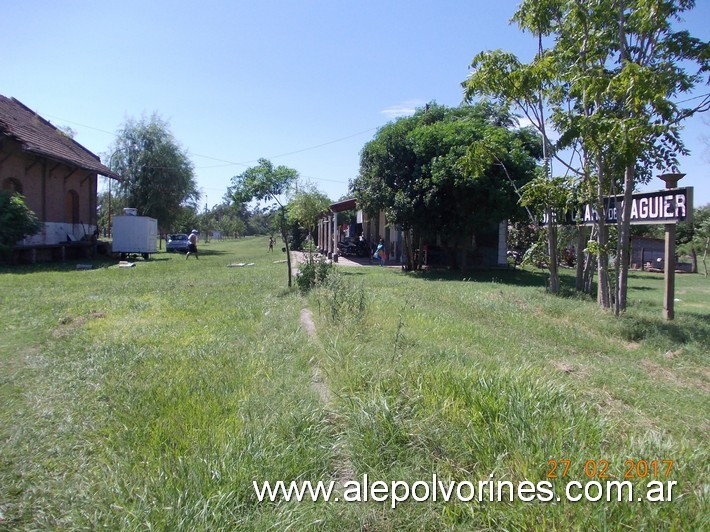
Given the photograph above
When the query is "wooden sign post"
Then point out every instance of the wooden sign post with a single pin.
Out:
(667, 207)
(671, 181)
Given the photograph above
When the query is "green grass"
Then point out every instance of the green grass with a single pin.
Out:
(152, 397)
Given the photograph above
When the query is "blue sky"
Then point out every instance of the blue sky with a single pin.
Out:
(305, 83)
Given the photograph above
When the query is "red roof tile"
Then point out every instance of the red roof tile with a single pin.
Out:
(38, 136)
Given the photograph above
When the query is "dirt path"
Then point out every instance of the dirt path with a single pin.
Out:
(317, 383)
(343, 470)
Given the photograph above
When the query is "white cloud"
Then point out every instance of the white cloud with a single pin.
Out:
(406, 108)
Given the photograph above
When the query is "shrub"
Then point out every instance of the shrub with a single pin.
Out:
(312, 274)
(16, 220)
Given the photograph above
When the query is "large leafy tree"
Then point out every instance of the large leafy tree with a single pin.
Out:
(158, 176)
(611, 82)
(446, 171)
(266, 182)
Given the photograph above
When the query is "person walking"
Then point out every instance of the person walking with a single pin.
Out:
(380, 252)
(271, 244)
(192, 244)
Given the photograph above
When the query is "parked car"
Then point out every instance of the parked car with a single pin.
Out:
(177, 243)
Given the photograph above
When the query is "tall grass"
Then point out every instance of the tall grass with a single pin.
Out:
(497, 377)
(152, 397)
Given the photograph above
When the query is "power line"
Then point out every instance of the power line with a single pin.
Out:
(694, 98)
(79, 124)
(325, 143)
(228, 163)
(247, 163)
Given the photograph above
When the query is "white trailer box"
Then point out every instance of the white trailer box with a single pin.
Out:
(135, 235)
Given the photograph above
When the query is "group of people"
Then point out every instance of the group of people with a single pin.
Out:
(379, 254)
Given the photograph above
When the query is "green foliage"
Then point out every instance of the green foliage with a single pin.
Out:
(446, 171)
(543, 194)
(266, 182)
(313, 274)
(158, 176)
(695, 234)
(16, 220)
(186, 220)
(262, 182)
(228, 219)
(536, 254)
(610, 85)
(306, 207)
(521, 236)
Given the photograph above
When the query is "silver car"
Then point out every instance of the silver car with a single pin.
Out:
(177, 243)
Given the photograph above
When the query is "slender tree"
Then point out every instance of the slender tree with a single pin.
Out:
(266, 182)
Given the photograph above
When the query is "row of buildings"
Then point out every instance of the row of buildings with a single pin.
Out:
(339, 223)
(58, 178)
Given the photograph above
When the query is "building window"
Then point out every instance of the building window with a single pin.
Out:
(72, 207)
(12, 184)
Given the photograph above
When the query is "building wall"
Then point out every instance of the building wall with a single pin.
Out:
(647, 250)
(57, 193)
(486, 251)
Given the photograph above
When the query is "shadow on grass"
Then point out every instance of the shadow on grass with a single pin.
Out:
(512, 277)
(67, 266)
(504, 276)
(210, 252)
(691, 328)
(351, 272)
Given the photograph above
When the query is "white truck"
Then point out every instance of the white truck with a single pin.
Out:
(134, 235)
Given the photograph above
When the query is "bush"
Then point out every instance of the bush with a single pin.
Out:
(312, 274)
(16, 220)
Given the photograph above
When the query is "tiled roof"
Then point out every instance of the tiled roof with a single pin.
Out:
(38, 136)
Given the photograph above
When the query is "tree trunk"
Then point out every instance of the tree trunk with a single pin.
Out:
(623, 246)
(284, 237)
(581, 241)
(603, 298)
(552, 254)
(603, 261)
(705, 254)
(694, 256)
(589, 266)
(603, 282)
(408, 252)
